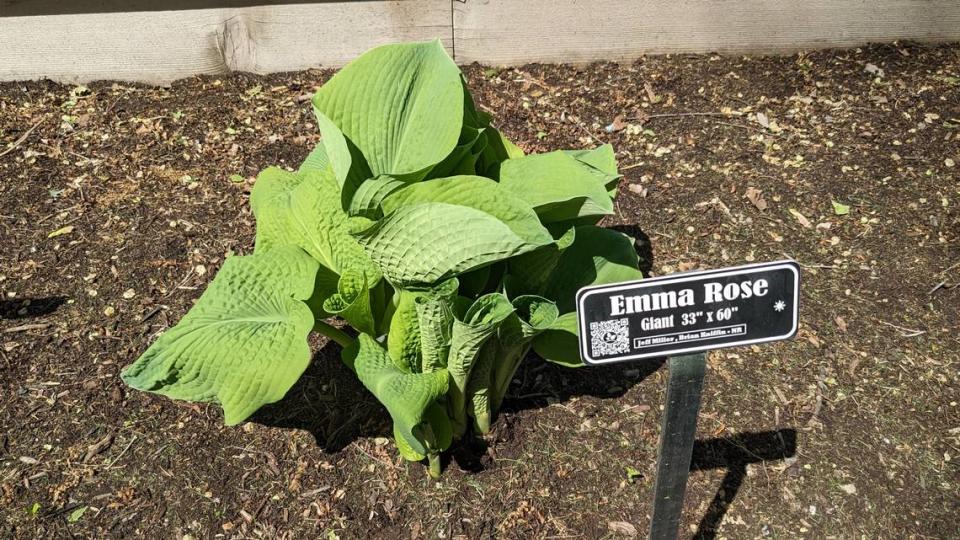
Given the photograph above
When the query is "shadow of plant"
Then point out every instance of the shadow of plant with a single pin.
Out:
(642, 245)
(28, 308)
(329, 402)
(538, 383)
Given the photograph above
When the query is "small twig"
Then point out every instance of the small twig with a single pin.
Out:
(905, 332)
(25, 327)
(122, 452)
(48, 216)
(658, 233)
(187, 277)
(943, 285)
(673, 115)
(587, 131)
(535, 395)
(64, 510)
(741, 126)
(153, 312)
(22, 138)
(371, 456)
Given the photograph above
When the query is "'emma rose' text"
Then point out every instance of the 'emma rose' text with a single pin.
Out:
(712, 292)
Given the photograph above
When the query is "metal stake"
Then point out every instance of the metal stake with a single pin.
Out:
(684, 386)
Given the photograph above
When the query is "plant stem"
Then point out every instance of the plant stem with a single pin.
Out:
(334, 333)
(434, 460)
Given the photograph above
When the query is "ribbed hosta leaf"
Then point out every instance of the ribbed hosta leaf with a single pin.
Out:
(407, 396)
(478, 325)
(434, 433)
(365, 201)
(597, 256)
(558, 185)
(403, 340)
(406, 451)
(479, 385)
(435, 314)
(477, 193)
(463, 158)
(560, 343)
(316, 160)
(352, 302)
(244, 343)
(421, 244)
(530, 272)
(400, 106)
(304, 210)
(270, 201)
(324, 287)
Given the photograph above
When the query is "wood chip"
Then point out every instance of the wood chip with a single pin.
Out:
(623, 527)
(801, 219)
(755, 196)
(98, 447)
(841, 324)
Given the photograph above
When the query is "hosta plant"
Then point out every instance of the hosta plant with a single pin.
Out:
(448, 251)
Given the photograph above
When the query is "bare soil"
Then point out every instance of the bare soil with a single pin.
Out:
(118, 203)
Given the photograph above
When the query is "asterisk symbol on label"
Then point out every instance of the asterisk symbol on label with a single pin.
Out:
(779, 305)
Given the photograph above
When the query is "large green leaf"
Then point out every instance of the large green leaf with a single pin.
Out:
(470, 145)
(603, 162)
(244, 343)
(558, 186)
(560, 343)
(407, 396)
(271, 201)
(530, 272)
(400, 106)
(479, 324)
(434, 433)
(597, 256)
(325, 286)
(406, 451)
(304, 210)
(422, 244)
(477, 193)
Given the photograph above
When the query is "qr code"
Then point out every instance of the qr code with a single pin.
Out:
(609, 337)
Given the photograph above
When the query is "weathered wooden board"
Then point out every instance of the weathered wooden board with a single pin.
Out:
(158, 41)
(161, 46)
(514, 32)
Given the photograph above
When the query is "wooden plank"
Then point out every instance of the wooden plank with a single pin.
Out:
(20, 8)
(161, 46)
(512, 32)
(159, 41)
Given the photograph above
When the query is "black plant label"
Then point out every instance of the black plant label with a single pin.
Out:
(689, 312)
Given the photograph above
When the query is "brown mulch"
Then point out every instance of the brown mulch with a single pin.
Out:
(118, 203)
